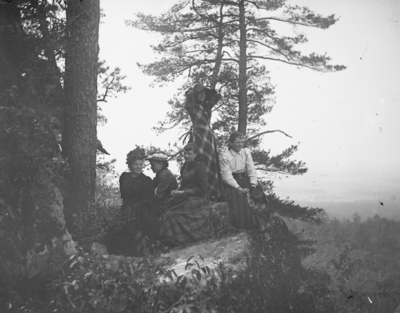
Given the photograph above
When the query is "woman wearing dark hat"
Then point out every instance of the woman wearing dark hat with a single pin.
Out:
(137, 213)
(199, 102)
(186, 218)
(246, 200)
(135, 187)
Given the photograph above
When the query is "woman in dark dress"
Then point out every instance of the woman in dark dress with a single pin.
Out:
(186, 217)
(137, 212)
(164, 181)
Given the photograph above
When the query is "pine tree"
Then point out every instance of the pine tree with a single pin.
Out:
(80, 119)
(227, 45)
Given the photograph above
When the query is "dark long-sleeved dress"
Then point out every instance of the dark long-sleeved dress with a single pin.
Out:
(137, 214)
(164, 183)
(135, 190)
(186, 219)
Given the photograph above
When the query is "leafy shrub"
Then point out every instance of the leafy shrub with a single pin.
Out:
(220, 220)
(31, 168)
(274, 279)
(88, 283)
(361, 259)
(103, 212)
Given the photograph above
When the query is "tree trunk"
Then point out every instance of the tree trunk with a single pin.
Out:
(218, 60)
(80, 116)
(242, 71)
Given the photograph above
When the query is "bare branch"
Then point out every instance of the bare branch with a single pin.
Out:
(108, 87)
(230, 59)
(176, 123)
(201, 50)
(230, 2)
(268, 131)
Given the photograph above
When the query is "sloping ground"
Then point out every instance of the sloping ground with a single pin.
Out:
(244, 272)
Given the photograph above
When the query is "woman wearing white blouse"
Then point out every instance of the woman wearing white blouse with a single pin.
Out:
(239, 174)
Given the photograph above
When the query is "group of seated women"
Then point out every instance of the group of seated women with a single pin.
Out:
(176, 214)
(159, 208)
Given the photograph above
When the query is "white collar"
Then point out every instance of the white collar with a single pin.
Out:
(236, 153)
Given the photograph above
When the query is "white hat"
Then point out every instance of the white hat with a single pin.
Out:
(157, 157)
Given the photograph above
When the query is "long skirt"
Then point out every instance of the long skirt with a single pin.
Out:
(186, 222)
(134, 218)
(243, 208)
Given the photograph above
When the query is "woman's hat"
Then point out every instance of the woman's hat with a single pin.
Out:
(157, 157)
(256, 193)
(136, 154)
(198, 87)
(195, 88)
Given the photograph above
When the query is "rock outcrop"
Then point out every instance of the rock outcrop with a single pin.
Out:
(230, 251)
(33, 235)
(244, 272)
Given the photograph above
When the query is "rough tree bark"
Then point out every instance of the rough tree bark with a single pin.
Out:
(79, 138)
(242, 125)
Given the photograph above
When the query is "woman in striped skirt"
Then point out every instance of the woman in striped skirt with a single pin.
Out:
(199, 103)
(186, 217)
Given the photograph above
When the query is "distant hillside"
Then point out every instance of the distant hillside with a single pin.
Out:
(365, 208)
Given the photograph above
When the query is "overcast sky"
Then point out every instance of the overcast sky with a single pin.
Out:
(347, 123)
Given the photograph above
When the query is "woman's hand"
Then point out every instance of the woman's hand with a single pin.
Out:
(244, 190)
(177, 192)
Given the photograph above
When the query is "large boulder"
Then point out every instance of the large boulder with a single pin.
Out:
(230, 251)
(33, 234)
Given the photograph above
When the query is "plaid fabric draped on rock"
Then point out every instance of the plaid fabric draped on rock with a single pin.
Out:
(202, 135)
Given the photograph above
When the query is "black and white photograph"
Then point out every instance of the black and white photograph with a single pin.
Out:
(187, 156)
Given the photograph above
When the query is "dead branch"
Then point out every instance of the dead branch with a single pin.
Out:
(268, 131)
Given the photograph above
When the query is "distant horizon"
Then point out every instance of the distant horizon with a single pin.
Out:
(363, 208)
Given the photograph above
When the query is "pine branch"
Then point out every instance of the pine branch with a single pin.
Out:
(284, 20)
(250, 57)
(203, 15)
(265, 45)
(108, 88)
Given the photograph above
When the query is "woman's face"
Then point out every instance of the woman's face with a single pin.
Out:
(201, 95)
(156, 166)
(136, 167)
(237, 145)
(189, 155)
